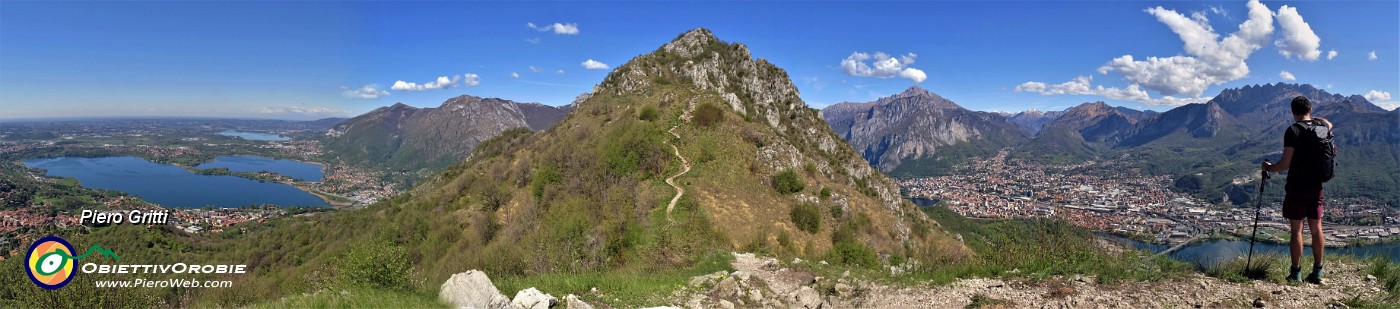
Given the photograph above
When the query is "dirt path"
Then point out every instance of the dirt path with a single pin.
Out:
(685, 167)
(765, 282)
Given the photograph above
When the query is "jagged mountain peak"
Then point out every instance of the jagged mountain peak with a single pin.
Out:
(749, 86)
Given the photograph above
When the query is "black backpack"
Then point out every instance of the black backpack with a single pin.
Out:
(1315, 150)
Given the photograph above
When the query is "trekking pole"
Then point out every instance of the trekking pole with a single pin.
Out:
(1264, 180)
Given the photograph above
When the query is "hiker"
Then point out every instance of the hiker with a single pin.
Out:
(1303, 149)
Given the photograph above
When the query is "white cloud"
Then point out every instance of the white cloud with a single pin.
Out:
(1298, 38)
(471, 79)
(535, 69)
(594, 65)
(442, 82)
(1083, 85)
(1219, 10)
(532, 40)
(1208, 59)
(1371, 56)
(557, 28)
(1286, 76)
(366, 92)
(298, 110)
(514, 75)
(560, 72)
(1377, 95)
(1331, 54)
(883, 66)
(1212, 61)
(1382, 99)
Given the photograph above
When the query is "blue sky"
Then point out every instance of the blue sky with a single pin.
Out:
(301, 60)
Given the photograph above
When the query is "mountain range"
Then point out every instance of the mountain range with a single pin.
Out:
(405, 138)
(910, 133)
(1221, 140)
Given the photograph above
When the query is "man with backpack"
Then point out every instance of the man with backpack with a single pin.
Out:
(1309, 156)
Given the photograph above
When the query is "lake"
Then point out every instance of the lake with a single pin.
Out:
(254, 136)
(173, 186)
(295, 169)
(1214, 251)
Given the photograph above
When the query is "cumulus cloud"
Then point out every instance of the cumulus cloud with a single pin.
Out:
(367, 92)
(1382, 99)
(1371, 56)
(557, 28)
(883, 66)
(1377, 95)
(535, 69)
(560, 72)
(1286, 76)
(594, 65)
(1298, 38)
(1208, 58)
(1083, 85)
(442, 82)
(1331, 54)
(471, 79)
(1212, 61)
(514, 75)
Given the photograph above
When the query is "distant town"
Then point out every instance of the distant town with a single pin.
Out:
(1111, 196)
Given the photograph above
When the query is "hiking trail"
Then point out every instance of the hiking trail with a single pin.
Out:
(685, 167)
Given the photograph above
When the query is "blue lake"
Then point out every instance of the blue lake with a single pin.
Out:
(1212, 252)
(172, 186)
(299, 170)
(254, 136)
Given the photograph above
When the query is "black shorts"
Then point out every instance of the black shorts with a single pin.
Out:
(1300, 204)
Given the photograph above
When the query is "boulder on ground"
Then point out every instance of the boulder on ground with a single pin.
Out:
(472, 289)
(571, 301)
(532, 299)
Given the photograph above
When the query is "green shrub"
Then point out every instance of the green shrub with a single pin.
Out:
(825, 193)
(378, 265)
(543, 177)
(649, 113)
(854, 254)
(807, 217)
(787, 182)
(708, 114)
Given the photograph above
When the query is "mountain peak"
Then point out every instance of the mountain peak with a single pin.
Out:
(400, 105)
(915, 90)
(692, 42)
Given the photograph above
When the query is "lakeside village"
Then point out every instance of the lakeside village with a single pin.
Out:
(343, 184)
(1110, 196)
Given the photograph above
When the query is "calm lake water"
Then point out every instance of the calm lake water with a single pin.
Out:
(1216, 251)
(299, 170)
(173, 186)
(254, 136)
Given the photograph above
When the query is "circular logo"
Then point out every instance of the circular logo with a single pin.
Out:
(50, 263)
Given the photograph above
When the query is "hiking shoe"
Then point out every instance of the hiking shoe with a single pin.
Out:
(1316, 276)
(1294, 274)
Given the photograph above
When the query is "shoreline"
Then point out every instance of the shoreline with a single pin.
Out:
(1231, 236)
(304, 186)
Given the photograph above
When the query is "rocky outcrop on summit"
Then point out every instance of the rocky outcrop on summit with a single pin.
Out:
(917, 124)
(402, 137)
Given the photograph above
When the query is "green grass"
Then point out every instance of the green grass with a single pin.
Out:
(1388, 273)
(1271, 267)
(355, 298)
(623, 288)
(1040, 249)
